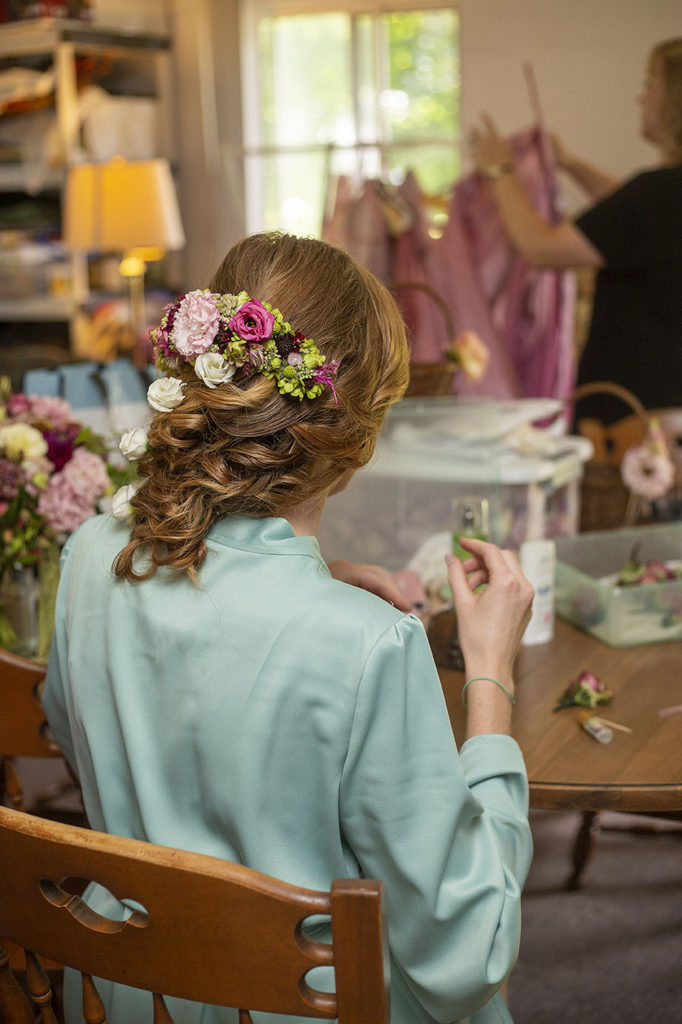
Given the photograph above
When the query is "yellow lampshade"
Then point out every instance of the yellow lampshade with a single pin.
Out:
(122, 205)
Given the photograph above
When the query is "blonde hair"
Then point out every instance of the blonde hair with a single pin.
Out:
(244, 448)
(669, 56)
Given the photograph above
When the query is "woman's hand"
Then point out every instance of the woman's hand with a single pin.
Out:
(492, 621)
(562, 156)
(488, 148)
(372, 578)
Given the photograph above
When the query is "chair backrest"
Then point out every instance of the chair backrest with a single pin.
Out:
(212, 931)
(23, 727)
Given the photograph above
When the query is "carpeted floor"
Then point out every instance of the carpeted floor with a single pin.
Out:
(610, 952)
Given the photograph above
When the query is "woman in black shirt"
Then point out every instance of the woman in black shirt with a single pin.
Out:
(632, 235)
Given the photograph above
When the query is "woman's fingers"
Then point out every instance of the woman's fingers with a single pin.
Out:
(476, 579)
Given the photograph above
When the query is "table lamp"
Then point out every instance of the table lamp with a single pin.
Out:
(128, 207)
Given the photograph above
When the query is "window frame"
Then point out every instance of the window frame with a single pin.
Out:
(253, 146)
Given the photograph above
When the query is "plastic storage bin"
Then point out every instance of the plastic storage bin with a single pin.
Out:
(436, 449)
(586, 594)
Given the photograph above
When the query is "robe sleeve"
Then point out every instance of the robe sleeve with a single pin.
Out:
(447, 833)
(54, 696)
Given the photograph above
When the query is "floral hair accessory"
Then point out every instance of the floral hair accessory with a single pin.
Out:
(586, 690)
(226, 337)
(133, 443)
(121, 508)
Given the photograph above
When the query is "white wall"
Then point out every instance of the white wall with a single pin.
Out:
(211, 191)
(588, 57)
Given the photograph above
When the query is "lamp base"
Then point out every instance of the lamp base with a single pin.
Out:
(133, 269)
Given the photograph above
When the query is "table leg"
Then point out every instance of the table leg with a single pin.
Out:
(583, 846)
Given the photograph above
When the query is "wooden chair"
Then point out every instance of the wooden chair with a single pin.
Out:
(23, 728)
(212, 931)
(24, 733)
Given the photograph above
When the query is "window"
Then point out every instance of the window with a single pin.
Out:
(366, 92)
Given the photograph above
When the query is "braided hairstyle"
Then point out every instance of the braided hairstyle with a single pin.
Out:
(245, 448)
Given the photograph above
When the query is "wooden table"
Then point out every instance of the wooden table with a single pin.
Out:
(638, 771)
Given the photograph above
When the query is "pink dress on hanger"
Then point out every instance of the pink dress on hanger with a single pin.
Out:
(357, 223)
(426, 325)
(524, 315)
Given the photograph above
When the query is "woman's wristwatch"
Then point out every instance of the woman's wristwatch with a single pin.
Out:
(495, 171)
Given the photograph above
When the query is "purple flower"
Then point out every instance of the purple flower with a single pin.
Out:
(325, 375)
(10, 478)
(60, 444)
(252, 322)
(160, 340)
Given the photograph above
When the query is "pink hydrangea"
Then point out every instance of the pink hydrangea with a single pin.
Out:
(63, 507)
(71, 495)
(195, 324)
(55, 410)
(87, 474)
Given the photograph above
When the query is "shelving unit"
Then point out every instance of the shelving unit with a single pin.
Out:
(139, 65)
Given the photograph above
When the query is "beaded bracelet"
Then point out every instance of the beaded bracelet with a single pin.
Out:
(490, 680)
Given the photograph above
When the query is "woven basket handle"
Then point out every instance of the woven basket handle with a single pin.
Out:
(609, 387)
(422, 286)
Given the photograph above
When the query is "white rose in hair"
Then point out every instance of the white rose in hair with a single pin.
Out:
(165, 394)
(213, 369)
(133, 443)
(120, 503)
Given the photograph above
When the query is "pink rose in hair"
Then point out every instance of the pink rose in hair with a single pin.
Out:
(195, 324)
(252, 322)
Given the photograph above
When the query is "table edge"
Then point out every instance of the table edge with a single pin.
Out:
(559, 796)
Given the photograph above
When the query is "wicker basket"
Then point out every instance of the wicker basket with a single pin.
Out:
(429, 380)
(606, 503)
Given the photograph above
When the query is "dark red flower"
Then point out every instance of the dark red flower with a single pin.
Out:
(60, 444)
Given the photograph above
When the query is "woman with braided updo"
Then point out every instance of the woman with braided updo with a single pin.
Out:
(219, 688)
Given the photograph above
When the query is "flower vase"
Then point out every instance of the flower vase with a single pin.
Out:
(19, 610)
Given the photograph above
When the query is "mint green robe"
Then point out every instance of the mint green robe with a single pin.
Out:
(285, 720)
